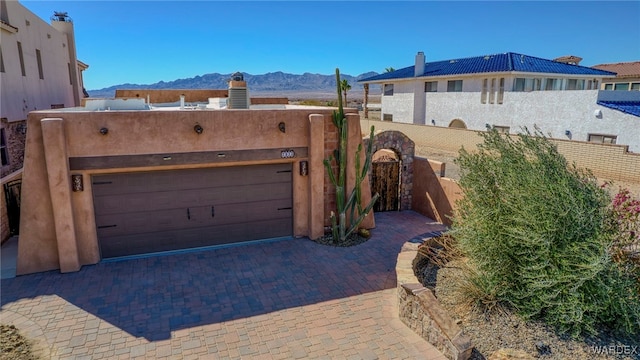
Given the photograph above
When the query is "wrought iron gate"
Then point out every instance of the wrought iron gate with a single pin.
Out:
(12, 196)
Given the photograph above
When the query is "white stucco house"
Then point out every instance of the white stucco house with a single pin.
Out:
(510, 91)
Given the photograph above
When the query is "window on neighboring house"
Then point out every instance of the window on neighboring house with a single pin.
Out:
(635, 86)
(21, 56)
(602, 139)
(388, 89)
(621, 86)
(4, 155)
(70, 78)
(589, 84)
(454, 86)
(492, 91)
(595, 85)
(483, 96)
(501, 91)
(39, 58)
(431, 86)
(575, 84)
(387, 117)
(502, 129)
(553, 84)
(526, 84)
(608, 86)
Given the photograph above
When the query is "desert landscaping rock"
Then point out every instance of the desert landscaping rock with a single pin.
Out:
(13, 345)
(502, 329)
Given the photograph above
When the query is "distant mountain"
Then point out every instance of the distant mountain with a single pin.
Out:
(270, 83)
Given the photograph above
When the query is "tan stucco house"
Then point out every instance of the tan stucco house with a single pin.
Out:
(121, 177)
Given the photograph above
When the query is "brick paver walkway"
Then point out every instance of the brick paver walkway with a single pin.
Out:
(289, 299)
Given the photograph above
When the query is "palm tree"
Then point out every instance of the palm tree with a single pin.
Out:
(389, 69)
(344, 86)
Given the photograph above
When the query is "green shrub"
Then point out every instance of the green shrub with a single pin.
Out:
(535, 228)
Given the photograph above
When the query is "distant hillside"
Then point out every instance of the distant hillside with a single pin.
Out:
(276, 83)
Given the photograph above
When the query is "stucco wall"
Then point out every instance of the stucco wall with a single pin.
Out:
(400, 105)
(433, 196)
(612, 162)
(58, 226)
(553, 112)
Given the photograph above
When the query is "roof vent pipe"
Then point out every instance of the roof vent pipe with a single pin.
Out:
(419, 68)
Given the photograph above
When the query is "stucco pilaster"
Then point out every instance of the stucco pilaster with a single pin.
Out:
(59, 177)
(316, 176)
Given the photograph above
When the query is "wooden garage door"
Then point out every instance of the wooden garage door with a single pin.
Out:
(145, 212)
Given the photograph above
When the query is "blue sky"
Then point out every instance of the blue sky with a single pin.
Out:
(144, 42)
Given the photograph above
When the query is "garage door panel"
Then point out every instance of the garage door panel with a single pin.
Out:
(141, 222)
(184, 218)
(237, 213)
(161, 200)
(192, 238)
(144, 182)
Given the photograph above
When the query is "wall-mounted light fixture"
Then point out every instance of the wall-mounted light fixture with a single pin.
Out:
(282, 127)
(198, 129)
(77, 184)
(567, 132)
(104, 131)
(304, 168)
(598, 113)
(22, 128)
(433, 121)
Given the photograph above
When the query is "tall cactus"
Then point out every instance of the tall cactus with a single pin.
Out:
(350, 211)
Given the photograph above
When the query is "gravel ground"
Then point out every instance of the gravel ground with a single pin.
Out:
(502, 329)
(14, 346)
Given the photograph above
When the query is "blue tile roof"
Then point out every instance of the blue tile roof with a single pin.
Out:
(506, 62)
(629, 107)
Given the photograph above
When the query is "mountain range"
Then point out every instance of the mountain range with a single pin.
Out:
(274, 84)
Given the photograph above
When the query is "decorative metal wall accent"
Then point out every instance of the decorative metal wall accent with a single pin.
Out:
(304, 168)
(77, 184)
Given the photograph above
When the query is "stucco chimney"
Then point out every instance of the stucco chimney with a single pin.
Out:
(238, 92)
(419, 68)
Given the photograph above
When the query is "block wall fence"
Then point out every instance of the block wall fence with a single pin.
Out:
(610, 162)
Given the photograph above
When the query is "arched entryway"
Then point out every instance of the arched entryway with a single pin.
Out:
(458, 124)
(385, 180)
(403, 149)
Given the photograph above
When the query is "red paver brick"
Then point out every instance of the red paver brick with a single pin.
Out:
(280, 300)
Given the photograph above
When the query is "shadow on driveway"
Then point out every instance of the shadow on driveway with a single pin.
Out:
(151, 297)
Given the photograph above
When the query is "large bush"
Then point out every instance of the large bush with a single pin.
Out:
(535, 229)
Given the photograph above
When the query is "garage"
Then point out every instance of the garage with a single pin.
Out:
(147, 212)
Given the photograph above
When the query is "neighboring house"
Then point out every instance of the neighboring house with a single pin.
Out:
(627, 76)
(38, 70)
(510, 91)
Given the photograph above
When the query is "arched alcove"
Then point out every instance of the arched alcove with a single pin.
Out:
(404, 149)
(458, 124)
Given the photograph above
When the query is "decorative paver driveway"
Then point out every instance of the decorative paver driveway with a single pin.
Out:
(280, 300)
